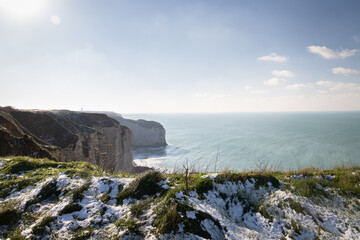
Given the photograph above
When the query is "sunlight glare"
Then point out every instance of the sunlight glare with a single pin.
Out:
(22, 8)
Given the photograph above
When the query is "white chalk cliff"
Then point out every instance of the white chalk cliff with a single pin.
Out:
(145, 133)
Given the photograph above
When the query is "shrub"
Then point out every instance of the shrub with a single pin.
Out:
(168, 219)
(261, 178)
(308, 188)
(146, 184)
(296, 206)
(139, 207)
(40, 228)
(22, 164)
(47, 191)
(78, 193)
(9, 214)
(71, 207)
(203, 185)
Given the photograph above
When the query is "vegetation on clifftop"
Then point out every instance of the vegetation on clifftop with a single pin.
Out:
(41, 199)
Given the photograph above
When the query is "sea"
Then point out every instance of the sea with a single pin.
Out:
(254, 141)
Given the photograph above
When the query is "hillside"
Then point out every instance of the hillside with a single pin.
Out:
(66, 136)
(43, 199)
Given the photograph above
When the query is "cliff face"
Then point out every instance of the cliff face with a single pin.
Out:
(76, 136)
(145, 133)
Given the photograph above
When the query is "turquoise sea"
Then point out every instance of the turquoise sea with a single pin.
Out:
(245, 141)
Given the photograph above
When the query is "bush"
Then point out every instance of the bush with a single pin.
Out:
(78, 193)
(308, 188)
(139, 207)
(261, 178)
(9, 215)
(168, 219)
(71, 207)
(22, 164)
(203, 185)
(146, 184)
(40, 228)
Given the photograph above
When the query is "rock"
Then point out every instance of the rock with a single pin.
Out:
(75, 136)
(145, 133)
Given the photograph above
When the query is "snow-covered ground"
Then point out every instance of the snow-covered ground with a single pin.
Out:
(243, 211)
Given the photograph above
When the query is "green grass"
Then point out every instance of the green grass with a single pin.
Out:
(83, 234)
(47, 191)
(314, 183)
(261, 178)
(138, 208)
(78, 193)
(21, 172)
(170, 213)
(40, 228)
(130, 224)
(296, 206)
(23, 164)
(146, 184)
(202, 185)
(70, 208)
(9, 214)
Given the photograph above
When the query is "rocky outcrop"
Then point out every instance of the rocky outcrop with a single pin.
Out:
(145, 133)
(72, 136)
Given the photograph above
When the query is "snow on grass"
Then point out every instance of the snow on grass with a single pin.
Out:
(244, 209)
(93, 213)
(249, 213)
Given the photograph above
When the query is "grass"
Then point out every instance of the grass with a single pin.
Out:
(138, 208)
(70, 208)
(47, 191)
(202, 185)
(146, 184)
(82, 235)
(261, 178)
(130, 224)
(24, 164)
(170, 213)
(314, 182)
(40, 228)
(21, 172)
(296, 206)
(9, 214)
(78, 194)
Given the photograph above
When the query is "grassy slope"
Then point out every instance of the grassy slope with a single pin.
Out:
(41, 198)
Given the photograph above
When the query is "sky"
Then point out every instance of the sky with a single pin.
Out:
(180, 56)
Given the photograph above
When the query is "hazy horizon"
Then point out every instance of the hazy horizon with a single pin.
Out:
(180, 56)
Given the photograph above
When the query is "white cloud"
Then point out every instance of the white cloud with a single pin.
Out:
(344, 71)
(338, 86)
(201, 94)
(283, 73)
(323, 83)
(275, 81)
(328, 53)
(295, 86)
(211, 96)
(256, 91)
(55, 19)
(321, 91)
(259, 91)
(273, 57)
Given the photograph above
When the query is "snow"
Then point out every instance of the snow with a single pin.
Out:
(191, 214)
(239, 208)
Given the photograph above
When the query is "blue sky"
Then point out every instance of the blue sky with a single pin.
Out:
(180, 56)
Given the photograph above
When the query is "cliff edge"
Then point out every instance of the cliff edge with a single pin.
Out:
(145, 133)
(67, 136)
